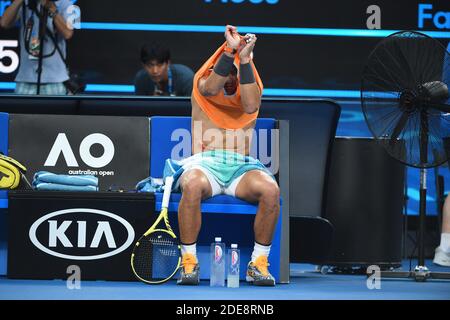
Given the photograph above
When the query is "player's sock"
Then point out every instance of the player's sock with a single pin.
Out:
(260, 250)
(189, 248)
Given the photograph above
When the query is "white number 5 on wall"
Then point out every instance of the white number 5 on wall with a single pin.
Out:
(6, 55)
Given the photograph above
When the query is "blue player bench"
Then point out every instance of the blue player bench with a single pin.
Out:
(222, 215)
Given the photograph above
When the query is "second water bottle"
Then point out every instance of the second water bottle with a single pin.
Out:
(217, 277)
(233, 267)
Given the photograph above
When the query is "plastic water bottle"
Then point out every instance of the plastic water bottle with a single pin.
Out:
(217, 278)
(233, 267)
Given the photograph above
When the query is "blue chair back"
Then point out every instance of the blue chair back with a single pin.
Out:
(170, 137)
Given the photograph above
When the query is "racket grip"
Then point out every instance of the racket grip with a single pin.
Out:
(167, 191)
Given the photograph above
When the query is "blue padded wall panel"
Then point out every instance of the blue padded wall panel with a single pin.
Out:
(162, 132)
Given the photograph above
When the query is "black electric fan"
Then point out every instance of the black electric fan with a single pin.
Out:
(405, 101)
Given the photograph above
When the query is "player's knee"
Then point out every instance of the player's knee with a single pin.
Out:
(194, 185)
(270, 193)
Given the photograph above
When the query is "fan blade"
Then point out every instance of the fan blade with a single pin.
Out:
(436, 91)
(398, 128)
(413, 125)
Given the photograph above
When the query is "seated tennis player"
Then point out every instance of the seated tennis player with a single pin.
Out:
(225, 103)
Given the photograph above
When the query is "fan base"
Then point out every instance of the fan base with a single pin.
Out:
(420, 274)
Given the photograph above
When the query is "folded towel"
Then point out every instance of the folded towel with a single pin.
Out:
(70, 180)
(150, 185)
(62, 187)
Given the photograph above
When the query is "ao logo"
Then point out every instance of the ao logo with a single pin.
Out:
(62, 145)
(58, 233)
(243, 1)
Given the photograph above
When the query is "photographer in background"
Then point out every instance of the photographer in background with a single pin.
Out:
(159, 77)
(54, 71)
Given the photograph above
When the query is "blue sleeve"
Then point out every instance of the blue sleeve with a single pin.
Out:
(63, 6)
(143, 85)
(185, 78)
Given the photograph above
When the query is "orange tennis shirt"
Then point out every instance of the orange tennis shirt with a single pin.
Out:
(224, 111)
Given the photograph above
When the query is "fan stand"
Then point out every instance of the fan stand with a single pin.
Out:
(421, 273)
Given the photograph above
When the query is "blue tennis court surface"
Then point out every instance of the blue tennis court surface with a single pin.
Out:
(306, 284)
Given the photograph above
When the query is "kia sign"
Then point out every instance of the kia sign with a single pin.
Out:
(115, 149)
(56, 233)
(50, 231)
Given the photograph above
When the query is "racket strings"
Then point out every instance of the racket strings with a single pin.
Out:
(156, 257)
(143, 259)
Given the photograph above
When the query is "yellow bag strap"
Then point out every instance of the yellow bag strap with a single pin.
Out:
(13, 162)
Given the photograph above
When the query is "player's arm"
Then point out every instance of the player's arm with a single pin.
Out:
(250, 91)
(211, 85)
(58, 20)
(10, 15)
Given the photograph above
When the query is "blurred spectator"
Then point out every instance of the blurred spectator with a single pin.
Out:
(159, 77)
(54, 71)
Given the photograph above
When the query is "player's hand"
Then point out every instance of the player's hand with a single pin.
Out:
(232, 36)
(246, 48)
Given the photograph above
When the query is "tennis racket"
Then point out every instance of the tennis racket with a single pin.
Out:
(156, 256)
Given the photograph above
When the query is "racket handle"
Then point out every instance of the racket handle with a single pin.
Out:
(167, 191)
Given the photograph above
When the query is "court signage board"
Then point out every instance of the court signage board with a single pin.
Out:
(95, 231)
(114, 149)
